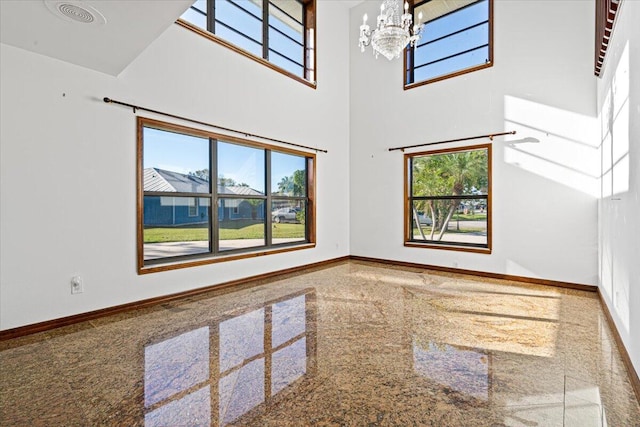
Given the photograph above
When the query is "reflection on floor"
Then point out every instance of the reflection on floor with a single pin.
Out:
(352, 344)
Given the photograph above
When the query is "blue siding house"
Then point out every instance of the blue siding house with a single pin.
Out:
(168, 210)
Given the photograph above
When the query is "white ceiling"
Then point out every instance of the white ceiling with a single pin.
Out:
(131, 26)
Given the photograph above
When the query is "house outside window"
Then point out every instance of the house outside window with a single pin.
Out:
(448, 199)
(276, 33)
(205, 197)
(456, 39)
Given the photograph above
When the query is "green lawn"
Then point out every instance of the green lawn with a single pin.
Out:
(480, 216)
(230, 230)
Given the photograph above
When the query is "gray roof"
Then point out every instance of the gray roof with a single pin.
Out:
(156, 179)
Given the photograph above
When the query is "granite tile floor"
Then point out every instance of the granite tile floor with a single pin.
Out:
(352, 344)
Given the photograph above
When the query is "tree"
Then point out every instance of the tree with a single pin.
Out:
(202, 174)
(230, 182)
(293, 185)
(449, 174)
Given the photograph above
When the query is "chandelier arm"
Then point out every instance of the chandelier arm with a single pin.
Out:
(394, 30)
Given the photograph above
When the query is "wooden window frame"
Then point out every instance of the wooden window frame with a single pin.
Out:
(408, 200)
(409, 51)
(215, 256)
(309, 39)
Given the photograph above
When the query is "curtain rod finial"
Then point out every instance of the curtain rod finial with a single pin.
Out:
(107, 100)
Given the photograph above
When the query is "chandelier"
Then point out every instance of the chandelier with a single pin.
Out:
(394, 30)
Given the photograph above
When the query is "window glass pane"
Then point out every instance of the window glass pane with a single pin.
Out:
(286, 47)
(244, 16)
(285, 63)
(170, 230)
(450, 221)
(453, 45)
(175, 162)
(450, 174)
(452, 22)
(288, 221)
(197, 14)
(288, 175)
(239, 40)
(240, 169)
(292, 9)
(452, 65)
(241, 223)
(286, 16)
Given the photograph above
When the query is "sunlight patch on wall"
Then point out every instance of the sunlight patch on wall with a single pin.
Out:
(614, 123)
(614, 119)
(567, 151)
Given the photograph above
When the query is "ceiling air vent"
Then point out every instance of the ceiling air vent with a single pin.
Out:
(75, 11)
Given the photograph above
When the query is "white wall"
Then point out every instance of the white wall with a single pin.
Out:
(619, 114)
(68, 163)
(544, 194)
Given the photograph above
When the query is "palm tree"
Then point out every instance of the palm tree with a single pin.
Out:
(449, 174)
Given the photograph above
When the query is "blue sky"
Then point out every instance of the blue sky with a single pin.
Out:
(183, 153)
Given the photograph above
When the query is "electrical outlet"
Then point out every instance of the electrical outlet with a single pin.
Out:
(76, 285)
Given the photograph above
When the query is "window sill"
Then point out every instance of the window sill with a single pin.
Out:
(214, 38)
(448, 76)
(448, 247)
(220, 258)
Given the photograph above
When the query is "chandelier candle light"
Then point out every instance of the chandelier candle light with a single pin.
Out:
(394, 30)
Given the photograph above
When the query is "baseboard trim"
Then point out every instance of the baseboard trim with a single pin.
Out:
(95, 314)
(532, 280)
(146, 303)
(633, 374)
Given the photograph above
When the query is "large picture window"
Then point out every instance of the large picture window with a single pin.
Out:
(205, 197)
(278, 33)
(448, 203)
(456, 39)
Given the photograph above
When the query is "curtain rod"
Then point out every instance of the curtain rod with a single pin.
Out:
(247, 134)
(490, 136)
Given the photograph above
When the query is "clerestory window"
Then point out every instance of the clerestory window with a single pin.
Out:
(456, 39)
(277, 33)
(448, 199)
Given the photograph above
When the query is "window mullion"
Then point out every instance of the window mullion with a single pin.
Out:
(267, 223)
(214, 227)
(211, 16)
(265, 29)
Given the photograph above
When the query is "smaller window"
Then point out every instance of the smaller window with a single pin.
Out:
(193, 206)
(448, 203)
(456, 39)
